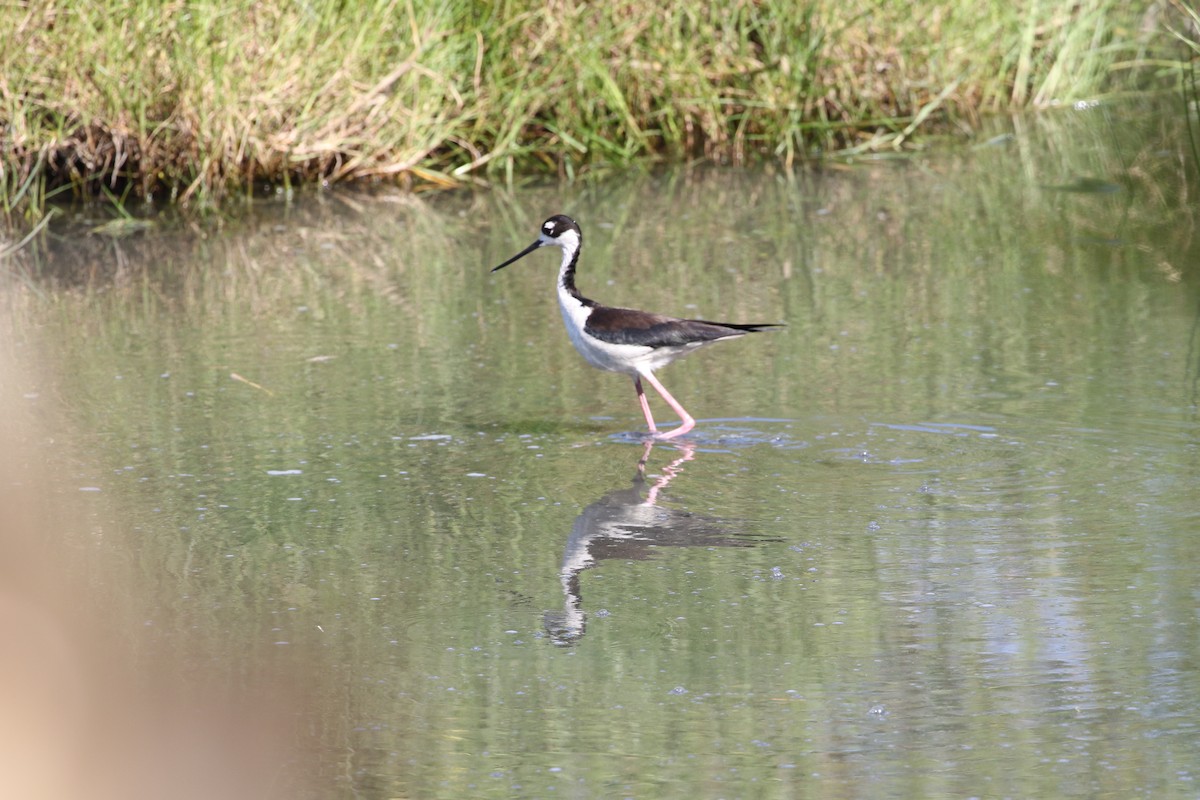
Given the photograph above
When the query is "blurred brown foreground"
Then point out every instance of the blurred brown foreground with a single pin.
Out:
(94, 702)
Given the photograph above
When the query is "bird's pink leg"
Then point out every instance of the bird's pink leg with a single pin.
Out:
(686, 421)
(637, 384)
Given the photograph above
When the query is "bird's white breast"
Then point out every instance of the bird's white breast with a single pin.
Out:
(613, 357)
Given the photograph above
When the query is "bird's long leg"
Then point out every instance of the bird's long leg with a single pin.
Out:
(637, 384)
(686, 421)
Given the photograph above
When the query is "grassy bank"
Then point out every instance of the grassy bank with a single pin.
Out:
(192, 101)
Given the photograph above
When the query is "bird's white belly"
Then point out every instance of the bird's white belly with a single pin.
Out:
(602, 355)
(630, 359)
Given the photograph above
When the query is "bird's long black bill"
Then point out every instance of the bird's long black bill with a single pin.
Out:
(520, 255)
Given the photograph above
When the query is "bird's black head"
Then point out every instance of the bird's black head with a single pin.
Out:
(559, 224)
(558, 231)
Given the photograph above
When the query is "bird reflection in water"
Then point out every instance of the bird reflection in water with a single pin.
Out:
(628, 524)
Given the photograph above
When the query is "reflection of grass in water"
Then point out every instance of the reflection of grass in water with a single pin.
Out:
(189, 103)
(1191, 108)
(939, 281)
(408, 294)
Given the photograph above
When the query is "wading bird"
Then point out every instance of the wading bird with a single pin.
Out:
(626, 340)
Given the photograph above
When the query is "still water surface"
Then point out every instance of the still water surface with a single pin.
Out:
(935, 538)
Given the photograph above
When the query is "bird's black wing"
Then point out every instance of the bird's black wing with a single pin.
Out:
(629, 326)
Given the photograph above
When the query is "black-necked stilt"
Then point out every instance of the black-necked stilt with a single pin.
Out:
(625, 340)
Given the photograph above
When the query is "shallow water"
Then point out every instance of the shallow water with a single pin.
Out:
(935, 538)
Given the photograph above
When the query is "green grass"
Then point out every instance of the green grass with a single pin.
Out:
(196, 101)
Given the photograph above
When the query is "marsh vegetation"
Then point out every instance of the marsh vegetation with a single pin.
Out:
(198, 101)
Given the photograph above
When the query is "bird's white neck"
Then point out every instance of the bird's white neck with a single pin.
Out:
(571, 245)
